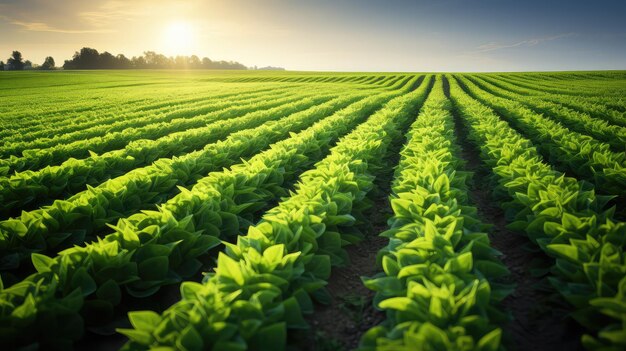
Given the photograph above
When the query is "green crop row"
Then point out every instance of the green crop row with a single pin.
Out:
(581, 154)
(583, 93)
(84, 284)
(438, 264)
(45, 104)
(117, 118)
(34, 159)
(564, 218)
(576, 103)
(576, 121)
(73, 221)
(30, 189)
(264, 281)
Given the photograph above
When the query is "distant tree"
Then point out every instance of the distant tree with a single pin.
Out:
(154, 60)
(28, 65)
(194, 62)
(138, 62)
(1, 66)
(89, 58)
(86, 58)
(122, 62)
(181, 62)
(106, 61)
(16, 61)
(48, 63)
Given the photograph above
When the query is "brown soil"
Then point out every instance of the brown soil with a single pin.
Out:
(339, 325)
(539, 318)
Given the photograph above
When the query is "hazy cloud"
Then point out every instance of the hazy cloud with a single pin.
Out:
(43, 27)
(112, 11)
(492, 46)
(74, 17)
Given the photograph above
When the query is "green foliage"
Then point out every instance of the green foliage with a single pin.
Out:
(264, 282)
(156, 248)
(436, 282)
(136, 196)
(562, 216)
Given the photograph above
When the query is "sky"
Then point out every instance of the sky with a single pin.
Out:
(327, 35)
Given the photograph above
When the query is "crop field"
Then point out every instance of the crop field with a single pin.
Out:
(276, 211)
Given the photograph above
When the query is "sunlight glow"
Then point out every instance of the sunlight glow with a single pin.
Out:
(179, 39)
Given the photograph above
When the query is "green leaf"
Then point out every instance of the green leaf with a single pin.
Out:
(571, 222)
(273, 337)
(110, 291)
(26, 312)
(274, 253)
(154, 268)
(491, 341)
(442, 184)
(319, 266)
(293, 314)
(144, 320)
(491, 269)
(189, 290)
(401, 207)
(390, 266)
(404, 304)
(190, 340)
(460, 264)
(230, 224)
(41, 262)
(84, 281)
(568, 252)
(138, 336)
(229, 268)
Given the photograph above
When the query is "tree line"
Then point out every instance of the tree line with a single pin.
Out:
(88, 58)
(16, 63)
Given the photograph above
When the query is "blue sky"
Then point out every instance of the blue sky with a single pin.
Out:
(347, 35)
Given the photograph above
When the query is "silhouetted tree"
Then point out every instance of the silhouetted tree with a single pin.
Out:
(122, 62)
(194, 62)
(16, 61)
(28, 64)
(48, 63)
(154, 60)
(86, 58)
(1, 66)
(89, 58)
(106, 61)
(138, 62)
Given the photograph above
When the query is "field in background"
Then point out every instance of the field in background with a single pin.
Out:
(242, 210)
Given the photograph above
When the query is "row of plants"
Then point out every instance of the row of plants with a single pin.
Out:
(265, 280)
(437, 284)
(84, 215)
(599, 129)
(34, 159)
(155, 248)
(30, 189)
(579, 154)
(594, 109)
(307, 78)
(567, 88)
(118, 117)
(563, 217)
(53, 102)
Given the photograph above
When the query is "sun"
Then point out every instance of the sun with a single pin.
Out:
(179, 38)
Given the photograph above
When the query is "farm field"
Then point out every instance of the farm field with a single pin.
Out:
(248, 210)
